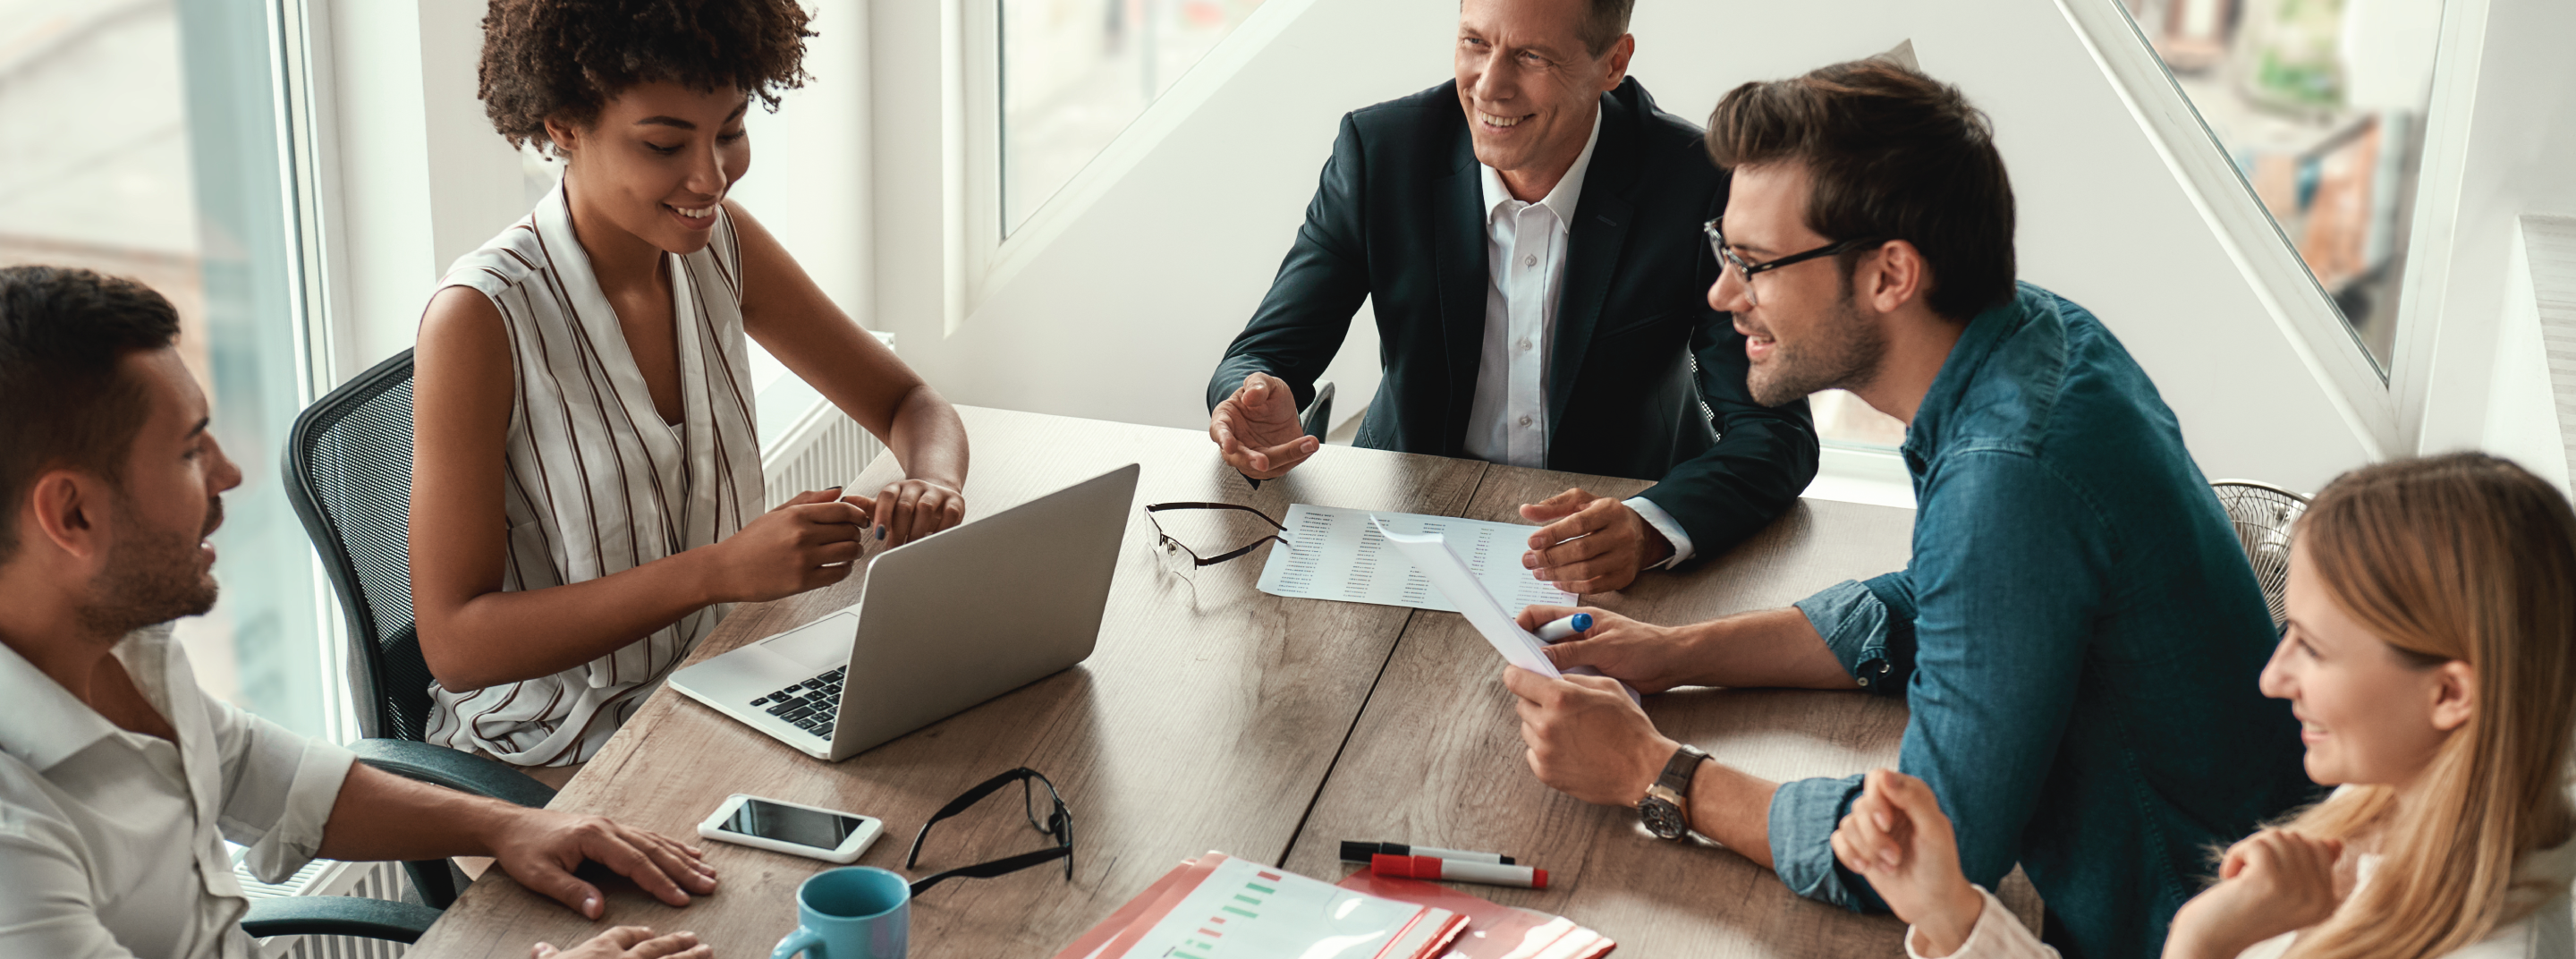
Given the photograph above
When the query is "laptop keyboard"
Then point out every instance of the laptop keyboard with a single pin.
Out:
(810, 705)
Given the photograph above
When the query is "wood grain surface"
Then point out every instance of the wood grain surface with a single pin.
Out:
(1437, 758)
(1213, 716)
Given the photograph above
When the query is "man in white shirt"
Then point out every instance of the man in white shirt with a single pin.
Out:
(1529, 237)
(119, 779)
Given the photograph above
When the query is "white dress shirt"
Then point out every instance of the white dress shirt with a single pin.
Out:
(112, 842)
(1525, 253)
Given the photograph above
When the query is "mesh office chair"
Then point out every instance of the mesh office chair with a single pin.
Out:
(348, 474)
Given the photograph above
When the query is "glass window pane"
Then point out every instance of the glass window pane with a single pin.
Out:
(141, 140)
(1844, 419)
(2320, 104)
(1076, 72)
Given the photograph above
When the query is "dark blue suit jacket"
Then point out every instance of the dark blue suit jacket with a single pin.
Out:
(1645, 381)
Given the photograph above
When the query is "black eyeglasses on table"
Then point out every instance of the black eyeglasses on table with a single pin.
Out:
(1727, 257)
(1173, 549)
(1059, 824)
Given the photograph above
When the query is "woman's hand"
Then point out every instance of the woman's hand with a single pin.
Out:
(911, 509)
(629, 942)
(2272, 882)
(805, 543)
(1897, 838)
(1649, 657)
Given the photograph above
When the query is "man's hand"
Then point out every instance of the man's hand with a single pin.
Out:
(540, 849)
(1649, 657)
(1592, 544)
(910, 509)
(1586, 739)
(805, 543)
(2272, 882)
(1256, 430)
(1897, 838)
(629, 942)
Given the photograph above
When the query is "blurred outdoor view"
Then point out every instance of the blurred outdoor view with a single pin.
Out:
(1076, 72)
(2321, 105)
(138, 138)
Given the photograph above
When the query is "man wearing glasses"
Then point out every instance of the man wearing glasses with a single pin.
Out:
(2077, 634)
(1528, 238)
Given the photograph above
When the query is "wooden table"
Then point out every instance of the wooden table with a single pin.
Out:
(1213, 716)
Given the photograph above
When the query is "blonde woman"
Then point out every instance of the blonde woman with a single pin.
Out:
(2431, 660)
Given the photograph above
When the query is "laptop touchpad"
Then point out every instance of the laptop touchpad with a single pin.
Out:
(821, 645)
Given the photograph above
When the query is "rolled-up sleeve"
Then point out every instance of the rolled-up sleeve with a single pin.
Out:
(2002, 600)
(278, 790)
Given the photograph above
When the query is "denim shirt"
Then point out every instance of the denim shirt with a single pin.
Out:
(2077, 635)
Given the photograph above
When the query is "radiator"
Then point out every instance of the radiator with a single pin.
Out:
(822, 449)
(811, 445)
(327, 877)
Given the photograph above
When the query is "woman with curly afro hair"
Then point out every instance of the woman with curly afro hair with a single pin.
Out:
(588, 499)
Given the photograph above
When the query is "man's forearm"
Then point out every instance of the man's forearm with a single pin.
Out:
(380, 816)
(1734, 808)
(1774, 648)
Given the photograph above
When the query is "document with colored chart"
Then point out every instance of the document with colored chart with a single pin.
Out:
(1220, 907)
(1338, 554)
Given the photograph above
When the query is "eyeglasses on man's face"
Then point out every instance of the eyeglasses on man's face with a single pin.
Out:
(1745, 269)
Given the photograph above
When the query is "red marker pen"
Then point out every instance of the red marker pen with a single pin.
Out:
(1433, 867)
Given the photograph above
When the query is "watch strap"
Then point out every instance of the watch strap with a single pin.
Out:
(1679, 770)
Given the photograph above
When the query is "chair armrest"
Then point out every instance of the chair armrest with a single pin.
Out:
(1317, 417)
(400, 922)
(461, 771)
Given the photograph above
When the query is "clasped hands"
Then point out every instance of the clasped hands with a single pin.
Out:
(1591, 544)
(2272, 882)
(814, 539)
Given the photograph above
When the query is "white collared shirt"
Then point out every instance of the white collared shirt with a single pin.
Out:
(112, 842)
(1525, 254)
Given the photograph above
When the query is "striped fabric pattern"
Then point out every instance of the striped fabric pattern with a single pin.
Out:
(598, 482)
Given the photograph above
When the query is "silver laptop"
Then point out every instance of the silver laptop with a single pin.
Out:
(929, 636)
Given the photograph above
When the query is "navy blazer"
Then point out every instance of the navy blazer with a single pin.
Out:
(1645, 380)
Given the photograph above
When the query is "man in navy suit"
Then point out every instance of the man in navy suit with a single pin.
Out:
(1530, 237)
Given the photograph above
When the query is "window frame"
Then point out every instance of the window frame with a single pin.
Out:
(2382, 406)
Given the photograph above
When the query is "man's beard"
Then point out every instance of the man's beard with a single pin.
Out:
(151, 577)
(1846, 350)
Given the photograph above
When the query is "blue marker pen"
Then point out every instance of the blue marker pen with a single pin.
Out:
(1565, 629)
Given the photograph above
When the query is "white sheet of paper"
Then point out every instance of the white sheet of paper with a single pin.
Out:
(1432, 554)
(1338, 554)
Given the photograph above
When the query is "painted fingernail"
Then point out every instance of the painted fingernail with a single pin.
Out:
(880, 532)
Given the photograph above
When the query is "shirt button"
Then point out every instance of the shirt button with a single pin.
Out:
(1525, 419)
(1530, 260)
(1525, 343)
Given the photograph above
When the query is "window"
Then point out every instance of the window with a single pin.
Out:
(142, 139)
(1075, 72)
(2320, 105)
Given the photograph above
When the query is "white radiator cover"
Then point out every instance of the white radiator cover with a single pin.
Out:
(329, 877)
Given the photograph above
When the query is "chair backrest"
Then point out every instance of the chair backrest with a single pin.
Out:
(348, 473)
(2263, 514)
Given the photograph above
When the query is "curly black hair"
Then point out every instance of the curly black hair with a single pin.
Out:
(542, 58)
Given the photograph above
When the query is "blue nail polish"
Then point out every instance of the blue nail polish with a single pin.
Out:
(880, 532)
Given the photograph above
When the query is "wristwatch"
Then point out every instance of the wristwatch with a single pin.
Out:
(1666, 808)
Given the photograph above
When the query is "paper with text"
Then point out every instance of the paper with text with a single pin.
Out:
(1337, 554)
(1449, 575)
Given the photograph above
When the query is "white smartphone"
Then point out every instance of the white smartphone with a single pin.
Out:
(793, 828)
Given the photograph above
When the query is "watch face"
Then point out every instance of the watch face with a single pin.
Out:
(1662, 818)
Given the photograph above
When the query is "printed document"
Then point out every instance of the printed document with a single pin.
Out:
(1338, 554)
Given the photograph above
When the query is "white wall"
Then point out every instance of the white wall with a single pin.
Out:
(2520, 158)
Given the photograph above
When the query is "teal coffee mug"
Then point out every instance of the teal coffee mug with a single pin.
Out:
(854, 912)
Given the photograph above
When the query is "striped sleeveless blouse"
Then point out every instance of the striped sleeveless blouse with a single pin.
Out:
(598, 483)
